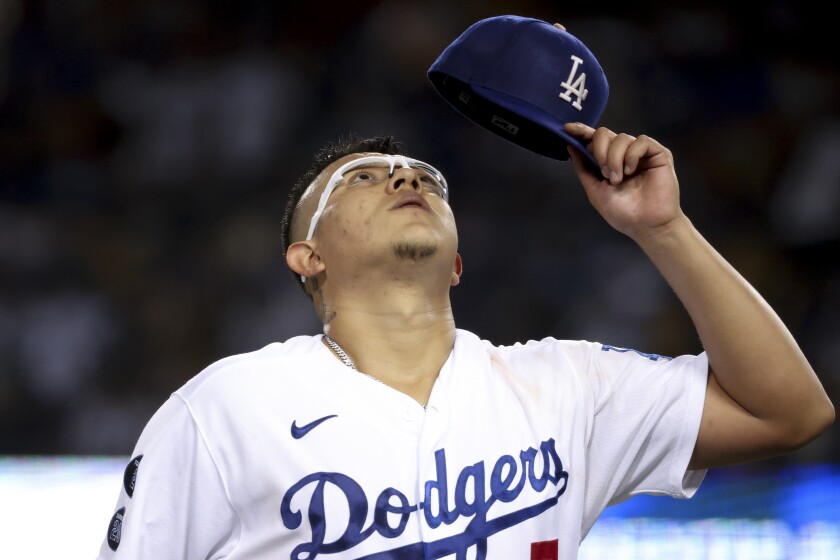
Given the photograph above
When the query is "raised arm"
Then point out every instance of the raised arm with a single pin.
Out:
(763, 398)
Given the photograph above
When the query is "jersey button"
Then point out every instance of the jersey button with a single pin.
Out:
(409, 414)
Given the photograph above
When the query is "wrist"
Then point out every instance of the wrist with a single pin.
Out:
(665, 237)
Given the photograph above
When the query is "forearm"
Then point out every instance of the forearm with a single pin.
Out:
(752, 354)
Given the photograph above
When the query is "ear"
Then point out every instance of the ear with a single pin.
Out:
(457, 271)
(303, 258)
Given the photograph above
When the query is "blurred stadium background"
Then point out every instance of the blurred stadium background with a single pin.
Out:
(148, 146)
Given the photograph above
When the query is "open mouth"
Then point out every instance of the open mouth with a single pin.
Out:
(411, 202)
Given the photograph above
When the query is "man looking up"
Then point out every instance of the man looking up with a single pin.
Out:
(396, 435)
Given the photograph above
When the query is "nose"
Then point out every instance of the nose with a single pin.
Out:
(405, 176)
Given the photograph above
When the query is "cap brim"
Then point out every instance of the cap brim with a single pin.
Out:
(540, 118)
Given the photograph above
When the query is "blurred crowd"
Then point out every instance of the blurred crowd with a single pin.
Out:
(148, 147)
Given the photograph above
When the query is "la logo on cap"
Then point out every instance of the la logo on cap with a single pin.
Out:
(523, 79)
(575, 86)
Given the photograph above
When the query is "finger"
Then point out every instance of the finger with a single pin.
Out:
(583, 134)
(599, 146)
(586, 136)
(643, 147)
(560, 27)
(580, 131)
(616, 154)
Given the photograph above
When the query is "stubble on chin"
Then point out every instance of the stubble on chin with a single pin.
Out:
(414, 251)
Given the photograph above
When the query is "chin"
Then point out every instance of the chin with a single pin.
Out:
(415, 250)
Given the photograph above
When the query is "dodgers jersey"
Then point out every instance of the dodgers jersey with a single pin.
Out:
(286, 453)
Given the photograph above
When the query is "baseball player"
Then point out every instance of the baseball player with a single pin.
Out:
(397, 435)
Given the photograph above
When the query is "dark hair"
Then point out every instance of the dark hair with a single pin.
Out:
(386, 144)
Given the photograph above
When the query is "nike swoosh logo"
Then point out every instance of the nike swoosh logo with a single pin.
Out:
(300, 431)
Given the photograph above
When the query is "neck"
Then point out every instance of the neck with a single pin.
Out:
(401, 337)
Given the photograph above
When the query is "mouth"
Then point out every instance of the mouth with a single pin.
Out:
(411, 201)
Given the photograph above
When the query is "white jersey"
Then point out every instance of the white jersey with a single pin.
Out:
(286, 453)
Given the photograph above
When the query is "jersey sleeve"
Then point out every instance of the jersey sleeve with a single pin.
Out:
(646, 418)
(173, 503)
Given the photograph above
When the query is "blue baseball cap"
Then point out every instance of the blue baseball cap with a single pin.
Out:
(523, 79)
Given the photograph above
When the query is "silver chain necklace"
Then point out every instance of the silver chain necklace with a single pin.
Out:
(339, 351)
(342, 355)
